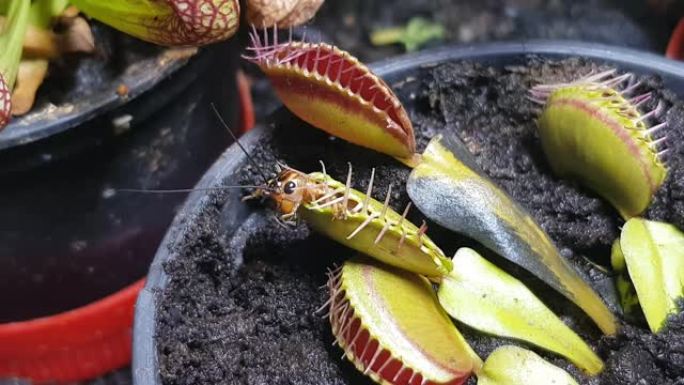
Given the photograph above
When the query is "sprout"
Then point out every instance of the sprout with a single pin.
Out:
(168, 22)
(417, 33)
(11, 40)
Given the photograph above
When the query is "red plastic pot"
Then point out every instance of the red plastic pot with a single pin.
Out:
(78, 344)
(675, 48)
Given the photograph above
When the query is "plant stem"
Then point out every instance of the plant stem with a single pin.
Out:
(12, 38)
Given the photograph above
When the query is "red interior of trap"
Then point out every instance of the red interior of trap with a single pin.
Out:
(349, 74)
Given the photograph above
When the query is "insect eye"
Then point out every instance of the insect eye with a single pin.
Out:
(289, 187)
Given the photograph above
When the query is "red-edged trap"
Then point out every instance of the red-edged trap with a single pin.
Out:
(592, 130)
(331, 90)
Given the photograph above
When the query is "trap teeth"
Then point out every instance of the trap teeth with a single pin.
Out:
(331, 90)
(591, 132)
(373, 319)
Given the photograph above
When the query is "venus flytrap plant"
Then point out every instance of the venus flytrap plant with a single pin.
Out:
(331, 90)
(11, 41)
(334, 92)
(591, 130)
(168, 22)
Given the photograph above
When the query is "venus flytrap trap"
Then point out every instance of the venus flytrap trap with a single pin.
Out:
(591, 130)
(356, 220)
(168, 22)
(392, 328)
(331, 90)
(11, 41)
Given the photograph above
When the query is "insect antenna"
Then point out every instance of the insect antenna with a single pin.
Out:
(237, 141)
(185, 190)
(263, 187)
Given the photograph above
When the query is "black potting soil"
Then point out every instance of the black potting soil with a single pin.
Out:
(240, 309)
(349, 24)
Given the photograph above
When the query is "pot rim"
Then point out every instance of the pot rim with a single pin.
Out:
(145, 364)
(29, 129)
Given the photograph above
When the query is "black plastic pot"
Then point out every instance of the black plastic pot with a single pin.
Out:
(80, 89)
(66, 237)
(226, 170)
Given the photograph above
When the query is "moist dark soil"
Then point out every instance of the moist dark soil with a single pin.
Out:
(615, 22)
(240, 309)
(349, 24)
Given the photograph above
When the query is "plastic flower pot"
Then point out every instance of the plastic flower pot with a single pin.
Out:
(675, 48)
(74, 249)
(209, 235)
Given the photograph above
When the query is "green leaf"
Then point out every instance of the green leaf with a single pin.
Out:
(654, 254)
(43, 12)
(511, 365)
(449, 188)
(628, 296)
(488, 299)
(12, 38)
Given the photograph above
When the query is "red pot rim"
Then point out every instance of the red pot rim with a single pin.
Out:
(75, 345)
(675, 48)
